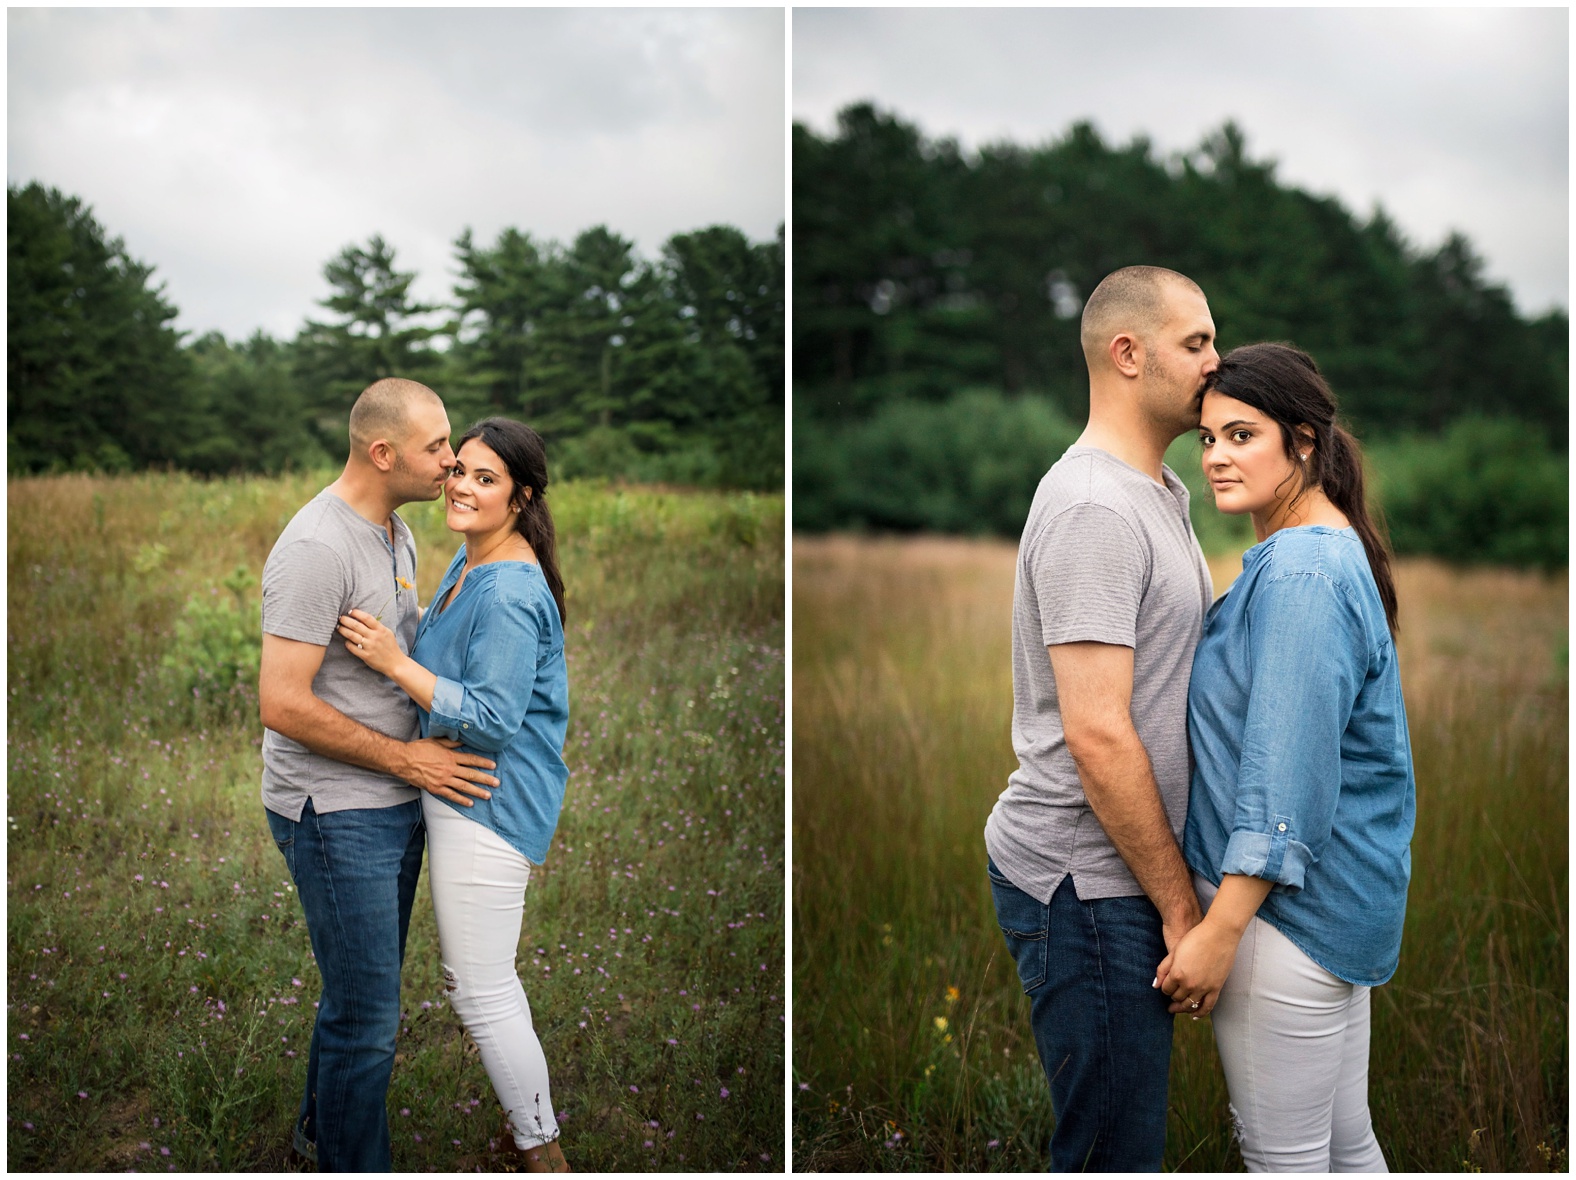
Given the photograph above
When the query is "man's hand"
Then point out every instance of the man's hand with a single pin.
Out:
(1176, 925)
(289, 706)
(437, 765)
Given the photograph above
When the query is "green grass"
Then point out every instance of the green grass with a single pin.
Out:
(902, 708)
(160, 982)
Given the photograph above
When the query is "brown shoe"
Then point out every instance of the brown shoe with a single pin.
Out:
(544, 1157)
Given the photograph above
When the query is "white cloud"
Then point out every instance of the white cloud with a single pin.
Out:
(238, 150)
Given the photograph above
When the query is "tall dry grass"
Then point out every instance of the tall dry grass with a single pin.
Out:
(911, 1040)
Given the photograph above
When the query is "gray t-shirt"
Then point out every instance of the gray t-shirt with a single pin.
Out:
(329, 559)
(1107, 556)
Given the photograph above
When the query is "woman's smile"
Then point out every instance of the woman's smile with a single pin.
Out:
(480, 492)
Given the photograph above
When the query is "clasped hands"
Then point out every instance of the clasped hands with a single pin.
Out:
(1195, 970)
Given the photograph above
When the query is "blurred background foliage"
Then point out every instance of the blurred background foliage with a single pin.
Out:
(668, 369)
(937, 371)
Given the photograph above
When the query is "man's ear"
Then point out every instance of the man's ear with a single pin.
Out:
(381, 452)
(1127, 354)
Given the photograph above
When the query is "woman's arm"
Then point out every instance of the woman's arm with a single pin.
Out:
(375, 645)
(1196, 969)
(1308, 652)
(485, 708)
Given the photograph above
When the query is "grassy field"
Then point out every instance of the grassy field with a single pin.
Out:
(911, 1046)
(160, 981)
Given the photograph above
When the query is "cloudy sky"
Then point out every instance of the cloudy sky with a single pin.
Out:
(1450, 118)
(237, 150)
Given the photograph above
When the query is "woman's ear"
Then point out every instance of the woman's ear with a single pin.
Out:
(1305, 440)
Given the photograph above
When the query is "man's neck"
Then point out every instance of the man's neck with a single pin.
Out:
(1134, 443)
(368, 497)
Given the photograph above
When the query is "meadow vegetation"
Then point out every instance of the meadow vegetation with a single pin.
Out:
(911, 1046)
(160, 983)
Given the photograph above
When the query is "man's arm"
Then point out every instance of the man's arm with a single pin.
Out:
(1094, 686)
(289, 706)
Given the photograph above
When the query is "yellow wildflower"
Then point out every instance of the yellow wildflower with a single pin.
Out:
(399, 584)
(952, 995)
(941, 1024)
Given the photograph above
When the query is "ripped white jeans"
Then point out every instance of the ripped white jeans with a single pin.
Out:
(478, 893)
(1293, 1041)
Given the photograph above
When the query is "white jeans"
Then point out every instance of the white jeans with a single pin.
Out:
(478, 893)
(1293, 1040)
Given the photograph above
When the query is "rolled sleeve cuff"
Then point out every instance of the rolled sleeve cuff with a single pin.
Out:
(448, 697)
(1280, 860)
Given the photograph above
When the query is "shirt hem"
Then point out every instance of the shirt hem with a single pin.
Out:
(535, 861)
(1317, 957)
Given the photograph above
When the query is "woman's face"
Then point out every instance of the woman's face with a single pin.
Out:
(479, 492)
(1244, 458)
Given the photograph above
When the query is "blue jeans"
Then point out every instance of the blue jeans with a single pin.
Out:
(355, 872)
(1103, 1033)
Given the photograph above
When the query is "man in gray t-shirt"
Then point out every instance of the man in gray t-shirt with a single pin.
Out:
(1085, 862)
(342, 757)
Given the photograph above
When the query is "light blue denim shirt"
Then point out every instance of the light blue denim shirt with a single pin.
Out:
(503, 691)
(1303, 763)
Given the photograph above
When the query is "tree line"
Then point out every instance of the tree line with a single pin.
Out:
(937, 296)
(664, 369)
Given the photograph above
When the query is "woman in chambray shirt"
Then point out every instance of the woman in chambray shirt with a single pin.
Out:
(1300, 815)
(487, 670)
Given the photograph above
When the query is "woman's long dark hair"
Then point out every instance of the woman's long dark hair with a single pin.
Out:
(1285, 383)
(523, 454)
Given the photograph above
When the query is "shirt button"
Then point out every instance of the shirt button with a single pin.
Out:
(1281, 828)
(467, 725)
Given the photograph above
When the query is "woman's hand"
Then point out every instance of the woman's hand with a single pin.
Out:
(1193, 974)
(370, 641)
(1196, 969)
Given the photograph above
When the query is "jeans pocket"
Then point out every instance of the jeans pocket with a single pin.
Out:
(287, 850)
(284, 833)
(1025, 924)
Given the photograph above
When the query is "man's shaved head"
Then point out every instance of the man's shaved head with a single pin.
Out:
(1132, 300)
(384, 411)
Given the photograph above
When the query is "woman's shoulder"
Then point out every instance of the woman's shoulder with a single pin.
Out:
(1311, 562)
(1313, 549)
(517, 583)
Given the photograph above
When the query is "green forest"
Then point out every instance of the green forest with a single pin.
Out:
(668, 369)
(937, 371)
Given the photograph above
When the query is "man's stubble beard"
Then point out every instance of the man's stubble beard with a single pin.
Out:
(1167, 412)
(408, 486)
